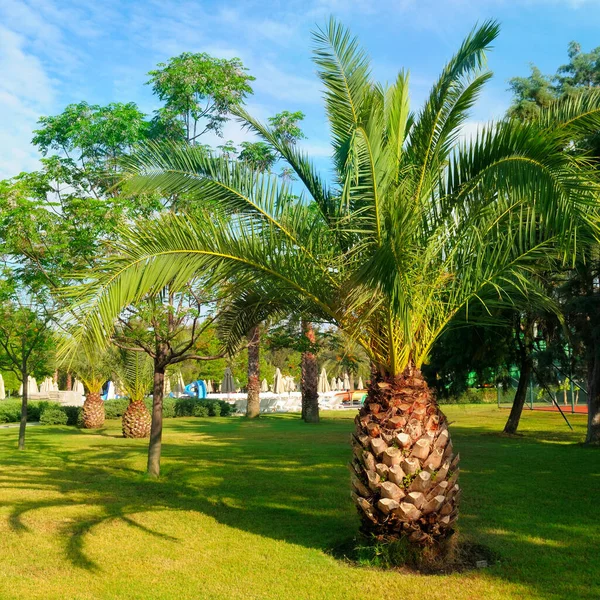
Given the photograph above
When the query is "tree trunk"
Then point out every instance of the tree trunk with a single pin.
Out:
(593, 426)
(520, 396)
(154, 448)
(253, 405)
(69, 385)
(23, 422)
(310, 379)
(351, 382)
(404, 471)
(526, 368)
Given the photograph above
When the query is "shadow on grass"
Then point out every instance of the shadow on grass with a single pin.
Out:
(280, 479)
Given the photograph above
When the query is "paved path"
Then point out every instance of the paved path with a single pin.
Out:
(9, 425)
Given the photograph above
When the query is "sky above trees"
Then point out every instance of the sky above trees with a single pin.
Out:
(56, 52)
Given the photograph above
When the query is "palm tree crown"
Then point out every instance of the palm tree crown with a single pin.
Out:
(416, 224)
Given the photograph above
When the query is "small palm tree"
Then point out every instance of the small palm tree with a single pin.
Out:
(415, 226)
(135, 375)
(91, 368)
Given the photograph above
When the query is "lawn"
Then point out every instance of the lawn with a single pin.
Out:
(250, 509)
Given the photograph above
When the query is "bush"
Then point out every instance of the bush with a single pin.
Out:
(184, 407)
(214, 409)
(73, 414)
(53, 415)
(200, 410)
(115, 408)
(226, 408)
(472, 396)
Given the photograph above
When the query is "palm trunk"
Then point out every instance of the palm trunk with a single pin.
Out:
(69, 384)
(404, 471)
(155, 445)
(310, 379)
(593, 424)
(253, 405)
(92, 413)
(136, 420)
(23, 422)
(526, 369)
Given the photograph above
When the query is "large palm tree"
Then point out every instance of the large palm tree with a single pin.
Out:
(415, 226)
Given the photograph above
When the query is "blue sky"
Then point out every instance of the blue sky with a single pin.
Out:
(54, 52)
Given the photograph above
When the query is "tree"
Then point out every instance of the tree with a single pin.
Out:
(531, 94)
(415, 227)
(168, 328)
(27, 347)
(199, 91)
(573, 82)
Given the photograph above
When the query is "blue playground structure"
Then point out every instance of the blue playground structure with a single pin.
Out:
(197, 389)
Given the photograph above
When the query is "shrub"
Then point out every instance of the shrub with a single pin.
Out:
(73, 414)
(226, 408)
(53, 415)
(115, 408)
(214, 409)
(10, 411)
(200, 410)
(184, 407)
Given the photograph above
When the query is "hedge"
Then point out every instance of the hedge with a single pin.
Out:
(47, 412)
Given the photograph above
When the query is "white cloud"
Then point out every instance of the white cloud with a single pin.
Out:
(26, 92)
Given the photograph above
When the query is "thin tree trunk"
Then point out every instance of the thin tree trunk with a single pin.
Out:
(310, 379)
(154, 448)
(520, 396)
(526, 368)
(23, 423)
(253, 405)
(351, 382)
(69, 385)
(593, 428)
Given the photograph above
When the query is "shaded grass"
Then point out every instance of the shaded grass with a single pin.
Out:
(249, 509)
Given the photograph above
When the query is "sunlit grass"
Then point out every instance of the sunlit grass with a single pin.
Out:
(249, 510)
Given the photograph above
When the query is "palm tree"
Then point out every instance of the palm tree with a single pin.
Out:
(416, 226)
(135, 372)
(91, 370)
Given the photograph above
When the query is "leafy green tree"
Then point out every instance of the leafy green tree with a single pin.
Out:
(582, 70)
(27, 346)
(168, 328)
(199, 91)
(573, 83)
(531, 94)
(259, 156)
(415, 227)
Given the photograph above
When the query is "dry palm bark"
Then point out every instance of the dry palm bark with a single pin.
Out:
(253, 406)
(136, 420)
(92, 415)
(309, 378)
(404, 471)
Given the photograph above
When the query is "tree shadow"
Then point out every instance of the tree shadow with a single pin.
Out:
(277, 478)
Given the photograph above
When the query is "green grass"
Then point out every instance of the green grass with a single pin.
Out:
(249, 509)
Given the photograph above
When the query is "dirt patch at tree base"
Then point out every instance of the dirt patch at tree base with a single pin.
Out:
(455, 556)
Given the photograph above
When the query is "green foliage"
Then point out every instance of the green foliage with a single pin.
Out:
(197, 87)
(26, 340)
(114, 409)
(259, 156)
(10, 412)
(135, 374)
(53, 415)
(531, 94)
(173, 407)
(285, 126)
(416, 227)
